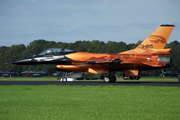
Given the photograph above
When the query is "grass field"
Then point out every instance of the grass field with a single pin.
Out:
(154, 79)
(89, 102)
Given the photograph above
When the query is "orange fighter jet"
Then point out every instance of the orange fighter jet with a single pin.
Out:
(143, 57)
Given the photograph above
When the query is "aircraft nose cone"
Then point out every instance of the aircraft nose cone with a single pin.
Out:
(15, 62)
(18, 62)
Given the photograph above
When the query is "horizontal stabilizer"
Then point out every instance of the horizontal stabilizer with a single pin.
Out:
(154, 65)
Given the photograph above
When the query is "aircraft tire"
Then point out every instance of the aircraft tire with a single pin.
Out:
(64, 79)
(138, 77)
(106, 79)
(113, 79)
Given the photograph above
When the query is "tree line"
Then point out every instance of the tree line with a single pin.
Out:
(16, 52)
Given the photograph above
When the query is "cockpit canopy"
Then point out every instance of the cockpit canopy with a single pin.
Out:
(53, 51)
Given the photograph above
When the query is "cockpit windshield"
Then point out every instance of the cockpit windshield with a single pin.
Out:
(53, 51)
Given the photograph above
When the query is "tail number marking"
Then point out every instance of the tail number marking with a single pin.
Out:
(147, 46)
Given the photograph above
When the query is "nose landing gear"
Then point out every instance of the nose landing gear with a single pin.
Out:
(64, 78)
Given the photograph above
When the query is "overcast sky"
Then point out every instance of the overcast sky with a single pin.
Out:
(22, 21)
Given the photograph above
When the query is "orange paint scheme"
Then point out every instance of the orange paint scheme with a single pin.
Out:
(144, 57)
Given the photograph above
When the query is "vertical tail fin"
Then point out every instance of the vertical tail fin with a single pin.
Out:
(14, 69)
(45, 69)
(158, 39)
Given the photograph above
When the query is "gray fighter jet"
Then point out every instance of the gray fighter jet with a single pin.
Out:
(9, 73)
(36, 73)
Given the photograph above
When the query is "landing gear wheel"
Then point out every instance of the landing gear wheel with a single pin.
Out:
(64, 79)
(113, 78)
(106, 79)
(138, 77)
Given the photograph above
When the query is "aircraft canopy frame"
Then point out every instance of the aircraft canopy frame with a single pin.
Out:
(54, 51)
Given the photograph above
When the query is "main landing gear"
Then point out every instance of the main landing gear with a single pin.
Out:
(109, 78)
(132, 77)
(135, 77)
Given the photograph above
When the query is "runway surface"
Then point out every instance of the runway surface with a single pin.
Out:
(91, 83)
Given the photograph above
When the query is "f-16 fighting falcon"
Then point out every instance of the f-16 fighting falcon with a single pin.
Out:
(9, 73)
(146, 56)
(36, 73)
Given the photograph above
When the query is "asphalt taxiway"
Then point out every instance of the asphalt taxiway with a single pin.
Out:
(91, 83)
